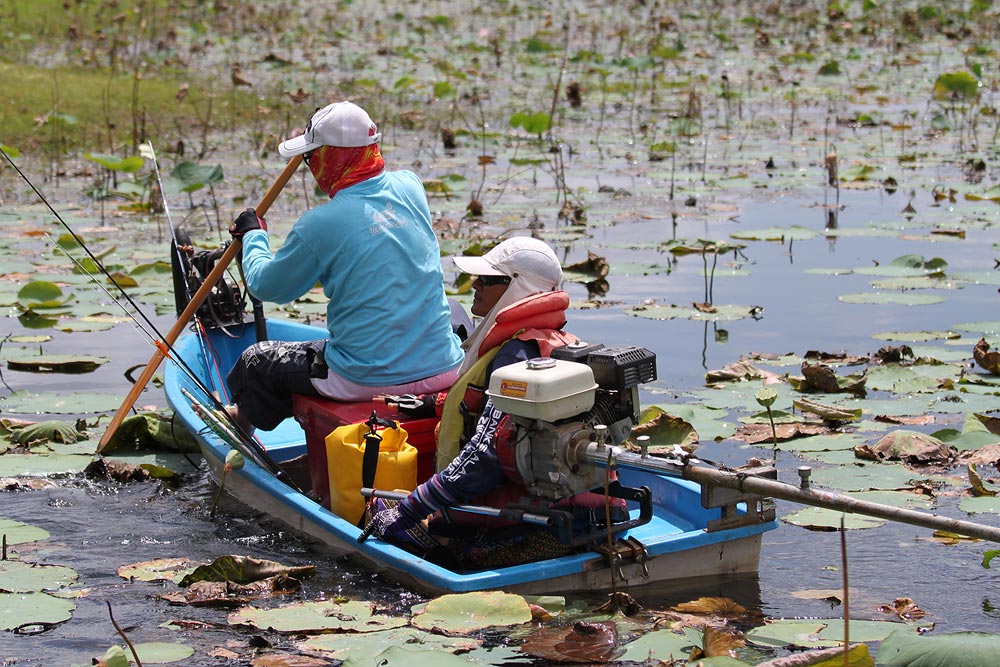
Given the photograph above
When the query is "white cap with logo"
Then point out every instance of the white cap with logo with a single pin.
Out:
(342, 124)
(518, 257)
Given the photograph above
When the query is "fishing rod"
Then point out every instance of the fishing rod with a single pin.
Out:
(199, 297)
(163, 345)
(233, 432)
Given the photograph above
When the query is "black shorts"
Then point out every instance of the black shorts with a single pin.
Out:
(266, 375)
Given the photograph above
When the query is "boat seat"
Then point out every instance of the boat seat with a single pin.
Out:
(320, 416)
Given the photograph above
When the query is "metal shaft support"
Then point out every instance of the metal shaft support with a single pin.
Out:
(704, 475)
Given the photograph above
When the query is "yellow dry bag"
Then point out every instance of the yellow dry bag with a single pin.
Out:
(391, 464)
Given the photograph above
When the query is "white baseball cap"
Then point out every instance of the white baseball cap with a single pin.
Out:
(342, 124)
(518, 256)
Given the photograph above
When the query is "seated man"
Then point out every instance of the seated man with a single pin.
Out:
(516, 293)
(373, 250)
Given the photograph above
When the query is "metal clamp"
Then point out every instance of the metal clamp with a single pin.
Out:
(624, 550)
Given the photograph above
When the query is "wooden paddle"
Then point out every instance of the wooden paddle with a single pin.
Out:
(196, 300)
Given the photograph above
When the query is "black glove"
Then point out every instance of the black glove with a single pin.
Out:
(420, 407)
(247, 221)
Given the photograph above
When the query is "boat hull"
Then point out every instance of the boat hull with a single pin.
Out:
(678, 543)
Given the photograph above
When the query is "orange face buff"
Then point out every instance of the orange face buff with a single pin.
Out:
(337, 168)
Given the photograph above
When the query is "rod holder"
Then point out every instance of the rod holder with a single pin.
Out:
(804, 473)
(643, 441)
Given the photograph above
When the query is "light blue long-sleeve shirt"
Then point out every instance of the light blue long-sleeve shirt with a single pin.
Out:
(374, 251)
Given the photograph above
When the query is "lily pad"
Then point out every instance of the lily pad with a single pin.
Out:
(463, 613)
(795, 232)
(161, 569)
(959, 649)
(22, 465)
(821, 633)
(826, 520)
(158, 653)
(22, 609)
(881, 298)
(21, 533)
(244, 570)
(721, 313)
(314, 617)
(344, 647)
(662, 645)
(981, 505)
(398, 656)
(21, 577)
(26, 402)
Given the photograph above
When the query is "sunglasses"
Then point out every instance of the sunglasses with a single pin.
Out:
(309, 127)
(490, 281)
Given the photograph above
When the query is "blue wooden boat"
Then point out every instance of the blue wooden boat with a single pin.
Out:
(681, 539)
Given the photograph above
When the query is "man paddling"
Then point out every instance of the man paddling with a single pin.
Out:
(373, 250)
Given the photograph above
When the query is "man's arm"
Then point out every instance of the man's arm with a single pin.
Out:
(282, 277)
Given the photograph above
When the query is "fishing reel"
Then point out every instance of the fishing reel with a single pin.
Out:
(556, 407)
(225, 304)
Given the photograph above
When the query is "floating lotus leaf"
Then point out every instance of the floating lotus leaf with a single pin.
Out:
(820, 633)
(980, 505)
(179, 463)
(986, 328)
(974, 435)
(904, 499)
(935, 355)
(795, 232)
(827, 412)
(821, 378)
(26, 402)
(463, 613)
(738, 371)
(900, 298)
(825, 443)
(150, 431)
(161, 569)
(158, 653)
(903, 648)
(344, 647)
(905, 380)
(113, 657)
(398, 656)
(916, 336)
(584, 642)
(664, 432)
(41, 294)
(314, 617)
(20, 577)
(57, 363)
(907, 265)
(23, 609)
(914, 283)
(56, 430)
(885, 476)
(706, 421)
(721, 314)
(909, 447)
(21, 533)
(23, 465)
(84, 326)
(244, 570)
(43, 338)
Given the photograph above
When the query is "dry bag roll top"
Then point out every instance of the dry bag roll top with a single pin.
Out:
(365, 455)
